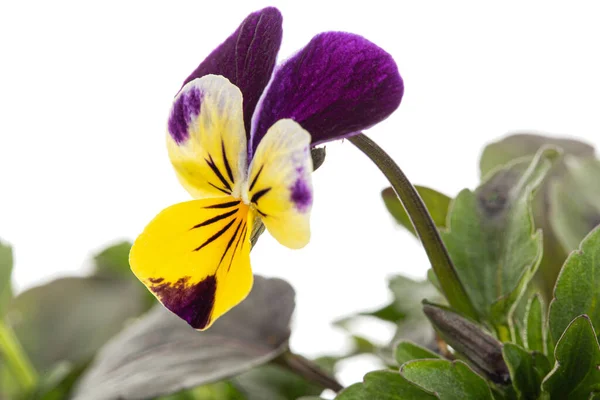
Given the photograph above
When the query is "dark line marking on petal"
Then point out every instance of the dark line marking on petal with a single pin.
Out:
(231, 242)
(192, 303)
(261, 213)
(218, 173)
(215, 219)
(256, 178)
(155, 280)
(219, 189)
(229, 204)
(244, 229)
(244, 239)
(256, 196)
(215, 236)
(226, 162)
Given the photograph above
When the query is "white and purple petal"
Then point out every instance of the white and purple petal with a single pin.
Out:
(336, 86)
(247, 58)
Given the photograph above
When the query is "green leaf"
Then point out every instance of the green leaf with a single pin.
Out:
(516, 332)
(574, 198)
(407, 351)
(160, 354)
(437, 204)
(114, 261)
(482, 350)
(353, 392)
(390, 385)
(492, 240)
(521, 145)
(69, 319)
(449, 380)
(535, 332)
(576, 374)
(6, 265)
(577, 289)
(527, 370)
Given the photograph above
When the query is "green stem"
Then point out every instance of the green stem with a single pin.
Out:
(423, 224)
(16, 358)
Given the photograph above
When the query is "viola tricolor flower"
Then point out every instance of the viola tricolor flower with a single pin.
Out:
(239, 137)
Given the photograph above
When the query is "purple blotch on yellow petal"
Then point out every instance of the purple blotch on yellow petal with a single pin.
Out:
(191, 302)
(185, 109)
(301, 195)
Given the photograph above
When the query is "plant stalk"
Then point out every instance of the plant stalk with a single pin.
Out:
(16, 359)
(423, 224)
(308, 370)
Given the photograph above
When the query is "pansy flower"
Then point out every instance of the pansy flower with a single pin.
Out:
(239, 135)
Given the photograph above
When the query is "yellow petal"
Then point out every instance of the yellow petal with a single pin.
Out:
(195, 258)
(279, 183)
(206, 139)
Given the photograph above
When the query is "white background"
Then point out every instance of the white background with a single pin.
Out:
(85, 88)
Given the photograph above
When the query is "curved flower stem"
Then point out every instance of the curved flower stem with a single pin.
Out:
(308, 370)
(16, 359)
(423, 224)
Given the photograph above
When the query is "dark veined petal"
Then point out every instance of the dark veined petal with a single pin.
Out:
(206, 140)
(195, 258)
(337, 85)
(279, 183)
(247, 57)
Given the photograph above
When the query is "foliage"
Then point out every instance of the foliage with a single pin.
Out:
(533, 336)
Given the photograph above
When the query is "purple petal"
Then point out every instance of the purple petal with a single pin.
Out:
(339, 84)
(247, 57)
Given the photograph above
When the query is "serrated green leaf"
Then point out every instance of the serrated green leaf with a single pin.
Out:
(574, 198)
(521, 145)
(491, 237)
(450, 380)
(576, 374)
(353, 392)
(6, 266)
(577, 289)
(437, 204)
(390, 385)
(527, 370)
(482, 350)
(535, 325)
(407, 351)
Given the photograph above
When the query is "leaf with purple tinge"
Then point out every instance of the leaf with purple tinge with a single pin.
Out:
(520, 145)
(161, 354)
